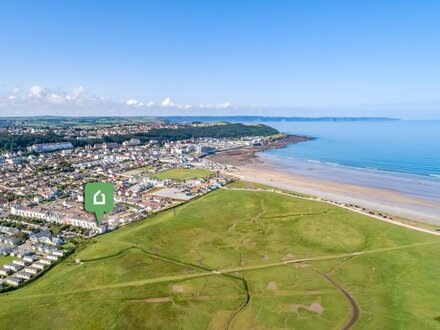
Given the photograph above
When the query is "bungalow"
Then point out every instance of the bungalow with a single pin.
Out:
(24, 275)
(56, 240)
(19, 262)
(59, 253)
(37, 247)
(4, 271)
(12, 241)
(5, 251)
(10, 231)
(32, 270)
(14, 281)
(46, 261)
(47, 249)
(45, 240)
(30, 258)
(41, 236)
(43, 248)
(13, 267)
(39, 265)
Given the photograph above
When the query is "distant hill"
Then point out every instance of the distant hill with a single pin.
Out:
(59, 121)
(11, 142)
(240, 119)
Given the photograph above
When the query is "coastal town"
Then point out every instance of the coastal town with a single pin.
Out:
(207, 165)
(42, 214)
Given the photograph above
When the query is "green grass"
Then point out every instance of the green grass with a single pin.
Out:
(180, 174)
(145, 168)
(243, 184)
(248, 236)
(5, 260)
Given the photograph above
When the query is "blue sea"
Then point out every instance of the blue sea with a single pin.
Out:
(403, 156)
(411, 147)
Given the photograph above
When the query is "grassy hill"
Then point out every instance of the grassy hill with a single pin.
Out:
(235, 259)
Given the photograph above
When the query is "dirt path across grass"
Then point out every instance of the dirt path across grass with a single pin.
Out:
(355, 311)
(227, 271)
(240, 308)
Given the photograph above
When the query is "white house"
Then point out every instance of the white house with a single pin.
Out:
(14, 281)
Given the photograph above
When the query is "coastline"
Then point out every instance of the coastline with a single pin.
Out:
(247, 155)
(249, 165)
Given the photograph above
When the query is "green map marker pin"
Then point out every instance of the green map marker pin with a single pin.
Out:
(98, 198)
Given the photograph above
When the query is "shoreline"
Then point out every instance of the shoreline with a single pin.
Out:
(250, 166)
(246, 155)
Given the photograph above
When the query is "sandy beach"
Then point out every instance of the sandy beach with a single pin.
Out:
(251, 166)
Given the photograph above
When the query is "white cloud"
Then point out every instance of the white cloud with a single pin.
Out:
(14, 95)
(224, 105)
(167, 102)
(78, 92)
(132, 102)
(38, 96)
(36, 91)
(55, 98)
(138, 104)
(39, 99)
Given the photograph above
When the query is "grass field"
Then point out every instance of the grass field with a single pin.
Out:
(5, 260)
(139, 170)
(242, 184)
(227, 260)
(180, 174)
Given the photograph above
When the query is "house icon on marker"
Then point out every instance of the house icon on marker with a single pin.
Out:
(99, 198)
(96, 200)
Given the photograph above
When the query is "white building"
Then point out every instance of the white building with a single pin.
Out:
(47, 147)
(14, 281)
(132, 142)
(55, 217)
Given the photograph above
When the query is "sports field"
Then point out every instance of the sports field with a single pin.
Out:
(240, 259)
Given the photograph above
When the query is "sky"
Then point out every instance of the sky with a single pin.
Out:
(284, 58)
